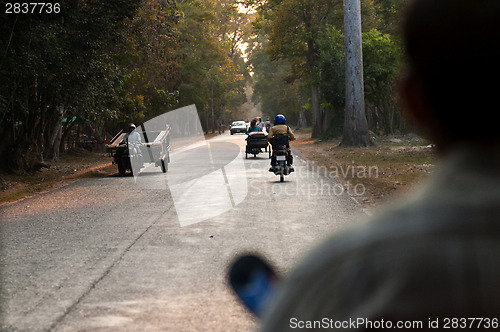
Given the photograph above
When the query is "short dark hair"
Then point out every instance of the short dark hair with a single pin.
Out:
(453, 48)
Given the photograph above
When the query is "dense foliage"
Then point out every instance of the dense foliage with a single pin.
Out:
(305, 48)
(97, 64)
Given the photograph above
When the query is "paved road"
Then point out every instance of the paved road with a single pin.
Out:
(110, 254)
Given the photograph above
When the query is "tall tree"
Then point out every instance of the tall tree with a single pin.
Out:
(273, 87)
(355, 125)
(294, 31)
(332, 83)
(56, 65)
(213, 72)
(381, 63)
(388, 15)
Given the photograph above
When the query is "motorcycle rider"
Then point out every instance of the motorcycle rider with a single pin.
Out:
(132, 136)
(280, 128)
(260, 124)
(253, 127)
(131, 139)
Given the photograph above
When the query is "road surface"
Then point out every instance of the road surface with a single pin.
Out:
(114, 254)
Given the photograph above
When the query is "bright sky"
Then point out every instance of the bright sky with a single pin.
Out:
(243, 46)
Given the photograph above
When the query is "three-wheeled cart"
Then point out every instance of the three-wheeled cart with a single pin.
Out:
(256, 141)
(154, 148)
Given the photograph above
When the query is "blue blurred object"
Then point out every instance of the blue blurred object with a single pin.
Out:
(253, 281)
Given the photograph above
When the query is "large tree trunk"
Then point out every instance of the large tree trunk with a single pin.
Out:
(355, 125)
(52, 148)
(317, 125)
(302, 123)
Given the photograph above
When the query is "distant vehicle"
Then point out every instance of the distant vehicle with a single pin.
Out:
(256, 141)
(238, 127)
(155, 148)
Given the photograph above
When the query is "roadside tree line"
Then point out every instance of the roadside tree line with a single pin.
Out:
(297, 55)
(99, 64)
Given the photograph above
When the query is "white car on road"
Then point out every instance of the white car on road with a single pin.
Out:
(238, 127)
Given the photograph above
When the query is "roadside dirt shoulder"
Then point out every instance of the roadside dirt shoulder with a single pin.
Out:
(374, 174)
(71, 166)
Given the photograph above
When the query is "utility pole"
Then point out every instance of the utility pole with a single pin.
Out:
(355, 125)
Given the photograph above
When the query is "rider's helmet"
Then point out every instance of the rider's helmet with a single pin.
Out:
(280, 119)
(131, 127)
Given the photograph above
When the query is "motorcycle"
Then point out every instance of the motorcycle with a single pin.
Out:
(129, 157)
(281, 158)
(281, 167)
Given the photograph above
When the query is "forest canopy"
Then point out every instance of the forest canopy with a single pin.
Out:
(298, 48)
(95, 65)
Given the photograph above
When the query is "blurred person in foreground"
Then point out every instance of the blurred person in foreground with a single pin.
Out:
(436, 256)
